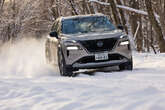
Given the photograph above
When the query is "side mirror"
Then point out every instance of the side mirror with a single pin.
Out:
(120, 27)
(53, 34)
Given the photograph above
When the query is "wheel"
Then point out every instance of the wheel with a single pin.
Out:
(64, 69)
(126, 66)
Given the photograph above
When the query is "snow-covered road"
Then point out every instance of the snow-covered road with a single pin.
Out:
(26, 83)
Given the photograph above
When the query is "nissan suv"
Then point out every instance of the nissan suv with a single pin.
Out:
(87, 42)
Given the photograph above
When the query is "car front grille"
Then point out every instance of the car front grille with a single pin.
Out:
(99, 45)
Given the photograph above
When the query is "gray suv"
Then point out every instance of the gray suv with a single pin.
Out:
(87, 42)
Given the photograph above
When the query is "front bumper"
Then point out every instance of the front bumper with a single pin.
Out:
(99, 64)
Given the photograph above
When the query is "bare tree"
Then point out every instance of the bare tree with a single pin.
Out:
(74, 12)
(122, 16)
(115, 12)
(161, 11)
(21, 17)
(1, 4)
(156, 26)
(135, 20)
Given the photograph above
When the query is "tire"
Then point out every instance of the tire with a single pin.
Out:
(126, 66)
(64, 69)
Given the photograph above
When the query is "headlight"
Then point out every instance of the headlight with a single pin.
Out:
(123, 36)
(124, 42)
(72, 48)
(69, 42)
(72, 45)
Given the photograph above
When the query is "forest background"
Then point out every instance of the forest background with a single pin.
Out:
(143, 20)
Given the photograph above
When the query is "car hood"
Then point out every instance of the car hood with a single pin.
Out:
(92, 36)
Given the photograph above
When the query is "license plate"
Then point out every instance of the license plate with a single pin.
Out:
(101, 56)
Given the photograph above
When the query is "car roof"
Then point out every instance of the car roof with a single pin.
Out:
(81, 16)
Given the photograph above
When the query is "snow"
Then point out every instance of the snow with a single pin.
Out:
(127, 8)
(132, 9)
(27, 83)
(102, 3)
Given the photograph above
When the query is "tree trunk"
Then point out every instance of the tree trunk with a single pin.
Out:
(114, 12)
(162, 17)
(91, 8)
(85, 7)
(122, 16)
(74, 12)
(55, 9)
(1, 4)
(135, 19)
(156, 26)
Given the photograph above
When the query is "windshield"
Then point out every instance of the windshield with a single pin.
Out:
(87, 24)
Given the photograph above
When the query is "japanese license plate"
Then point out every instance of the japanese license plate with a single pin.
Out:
(101, 56)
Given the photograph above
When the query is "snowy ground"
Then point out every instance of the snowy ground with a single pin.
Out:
(26, 83)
